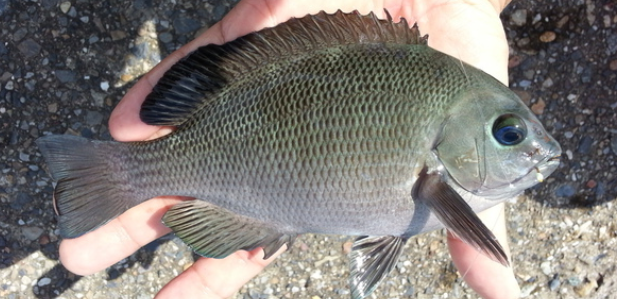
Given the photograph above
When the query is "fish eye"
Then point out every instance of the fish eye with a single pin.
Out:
(509, 129)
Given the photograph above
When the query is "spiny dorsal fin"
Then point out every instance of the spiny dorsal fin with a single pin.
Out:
(194, 81)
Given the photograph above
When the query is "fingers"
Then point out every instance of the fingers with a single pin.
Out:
(217, 278)
(117, 239)
(487, 277)
(469, 30)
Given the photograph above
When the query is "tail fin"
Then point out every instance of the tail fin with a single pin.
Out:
(88, 193)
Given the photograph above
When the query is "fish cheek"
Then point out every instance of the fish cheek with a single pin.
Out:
(460, 151)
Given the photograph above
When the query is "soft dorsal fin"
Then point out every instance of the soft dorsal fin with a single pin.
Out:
(194, 81)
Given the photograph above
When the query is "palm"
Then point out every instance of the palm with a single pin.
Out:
(464, 29)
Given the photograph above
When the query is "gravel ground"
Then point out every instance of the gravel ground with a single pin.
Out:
(64, 65)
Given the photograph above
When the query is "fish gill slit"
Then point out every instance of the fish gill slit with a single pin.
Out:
(481, 172)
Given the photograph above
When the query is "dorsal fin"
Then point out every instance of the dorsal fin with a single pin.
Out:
(192, 82)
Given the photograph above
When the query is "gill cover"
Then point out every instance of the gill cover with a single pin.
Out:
(491, 144)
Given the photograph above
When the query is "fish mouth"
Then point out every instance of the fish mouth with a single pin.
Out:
(543, 168)
(540, 170)
(536, 174)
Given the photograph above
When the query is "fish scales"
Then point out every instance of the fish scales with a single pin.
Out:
(290, 142)
(339, 124)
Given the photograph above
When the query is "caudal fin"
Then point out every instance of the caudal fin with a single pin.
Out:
(89, 192)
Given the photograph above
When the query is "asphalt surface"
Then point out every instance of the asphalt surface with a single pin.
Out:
(65, 64)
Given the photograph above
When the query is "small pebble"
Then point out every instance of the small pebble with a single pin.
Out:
(29, 48)
(94, 117)
(514, 61)
(574, 281)
(44, 239)
(32, 233)
(584, 145)
(600, 189)
(65, 6)
(525, 83)
(72, 12)
(569, 154)
(613, 65)
(117, 35)
(554, 283)
(538, 107)
(66, 76)
(546, 268)
(563, 21)
(183, 25)
(586, 288)
(548, 36)
(565, 191)
(165, 37)
(104, 85)
(44, 281)
(24, 157)
(519, 17)
(25, 280)
(347, 247)
(614, 144)
(591, 184)
(126, 77)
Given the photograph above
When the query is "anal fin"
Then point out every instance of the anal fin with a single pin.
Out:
(215, 232)
(456, 215)
(371, 259)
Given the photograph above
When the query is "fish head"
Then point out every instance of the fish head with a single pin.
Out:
(493, 146)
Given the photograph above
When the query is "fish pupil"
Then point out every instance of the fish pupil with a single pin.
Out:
(509, 129)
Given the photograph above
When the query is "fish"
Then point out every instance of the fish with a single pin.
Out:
(336, 123)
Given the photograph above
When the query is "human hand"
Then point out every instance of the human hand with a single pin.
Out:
(466, 29)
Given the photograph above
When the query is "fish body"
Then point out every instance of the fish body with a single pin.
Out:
(336, 124)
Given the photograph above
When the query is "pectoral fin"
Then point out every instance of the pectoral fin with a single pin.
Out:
(215, 232)
(372, 258)
(457, 216)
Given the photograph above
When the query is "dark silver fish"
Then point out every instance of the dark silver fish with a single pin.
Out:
(334, 124)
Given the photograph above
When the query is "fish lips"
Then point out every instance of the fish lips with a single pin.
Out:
(536, 174)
